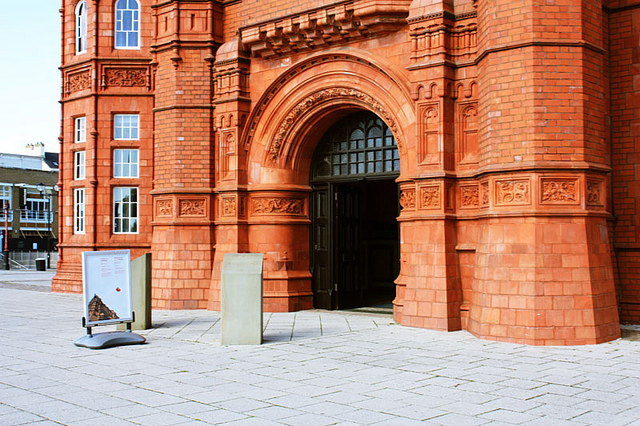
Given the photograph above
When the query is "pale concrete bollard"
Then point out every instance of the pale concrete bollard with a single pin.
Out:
(140, 292)
(241, 298)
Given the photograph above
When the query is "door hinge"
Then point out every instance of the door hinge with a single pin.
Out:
(335, 286)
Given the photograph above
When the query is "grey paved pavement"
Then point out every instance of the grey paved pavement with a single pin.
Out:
(315, 368)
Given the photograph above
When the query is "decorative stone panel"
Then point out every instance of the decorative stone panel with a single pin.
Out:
(164, 208)
(469, 196)
(408, 199)
(125, 77)
(267, 206)
(513, 192)
(430, 197)
(594, 193)
(559, 191)
(228, 206)
(78, 81)
(192, 207)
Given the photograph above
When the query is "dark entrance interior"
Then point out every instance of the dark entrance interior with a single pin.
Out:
(355, 238)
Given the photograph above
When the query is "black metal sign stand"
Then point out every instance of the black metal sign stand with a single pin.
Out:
(111, 338)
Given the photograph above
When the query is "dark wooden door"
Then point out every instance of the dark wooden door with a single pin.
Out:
(322, 248)
(347, 264)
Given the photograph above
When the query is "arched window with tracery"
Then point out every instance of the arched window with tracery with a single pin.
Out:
(127, 24)
(81, 27)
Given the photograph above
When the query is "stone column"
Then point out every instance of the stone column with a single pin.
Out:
(543, 271)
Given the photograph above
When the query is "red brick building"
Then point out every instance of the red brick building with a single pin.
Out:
(475, 161)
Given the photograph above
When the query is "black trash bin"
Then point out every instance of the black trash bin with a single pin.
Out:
(41, 264)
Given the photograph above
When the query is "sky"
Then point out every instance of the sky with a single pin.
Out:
(29, 75)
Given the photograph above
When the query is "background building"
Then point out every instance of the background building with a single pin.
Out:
(29, 204)
(473, 160)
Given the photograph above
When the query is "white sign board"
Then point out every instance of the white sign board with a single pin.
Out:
(106, 281)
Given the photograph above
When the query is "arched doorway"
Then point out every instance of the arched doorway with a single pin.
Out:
(354, 206)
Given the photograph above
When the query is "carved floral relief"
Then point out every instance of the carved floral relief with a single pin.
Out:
(125, 77)
(408, 199)
(79, 81)
(278, 206)
(469, 196)
(430, 197)
(192, 207)
(228, 206)
(164, 208)
(559, 191)
(513, 192)
(485, 194)
(594, 193)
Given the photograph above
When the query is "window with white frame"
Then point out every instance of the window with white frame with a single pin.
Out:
(80, 129)
(125, 210)
(5, 197)
(127, 24)
(37, 206)
(126, 127)
(81, 27)
(125, 163)
(78, 211)
(79, 165)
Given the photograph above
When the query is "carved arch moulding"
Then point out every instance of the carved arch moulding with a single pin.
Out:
(360, 66)
(314, 101)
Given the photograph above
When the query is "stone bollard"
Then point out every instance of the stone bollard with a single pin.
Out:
(241, 298)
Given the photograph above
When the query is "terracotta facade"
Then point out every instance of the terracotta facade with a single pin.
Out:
(516, 123)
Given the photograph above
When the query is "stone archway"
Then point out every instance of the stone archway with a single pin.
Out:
(280, 138)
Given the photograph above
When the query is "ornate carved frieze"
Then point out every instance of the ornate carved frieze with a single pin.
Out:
(125, 77)
(559, 191)
(78, 81)
(408, 199)
(469, 196)
(324, 26)
(513, 192)
(323, 95)
(294, 206)
(228, 206)
(192, 207)
(164, 208)
(430, 197)
(594, 193)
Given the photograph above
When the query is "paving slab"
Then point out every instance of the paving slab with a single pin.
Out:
(315, 368)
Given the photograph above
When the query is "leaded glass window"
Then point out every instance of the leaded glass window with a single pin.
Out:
(359, 145)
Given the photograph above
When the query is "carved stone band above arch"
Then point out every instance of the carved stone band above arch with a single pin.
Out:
(310, 102)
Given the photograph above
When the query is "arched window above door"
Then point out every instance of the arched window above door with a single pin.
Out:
(360, 145)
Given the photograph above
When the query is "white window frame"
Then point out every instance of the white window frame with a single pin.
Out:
(80, 129)
(121, 8)
(120, 127)
(126, 163)
(79, 165)
(125, 214)
(81, 28)
(5, 195)
(78, 211)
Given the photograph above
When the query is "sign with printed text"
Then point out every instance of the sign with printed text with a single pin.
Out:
(106, 281)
